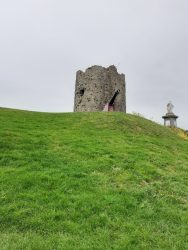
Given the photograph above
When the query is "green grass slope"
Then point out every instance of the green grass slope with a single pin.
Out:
(91, 181)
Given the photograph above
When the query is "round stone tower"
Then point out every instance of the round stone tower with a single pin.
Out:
(96, 87)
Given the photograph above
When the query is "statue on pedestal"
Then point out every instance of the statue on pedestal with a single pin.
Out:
(170, 107)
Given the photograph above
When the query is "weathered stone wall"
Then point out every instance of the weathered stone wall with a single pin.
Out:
(96, 86)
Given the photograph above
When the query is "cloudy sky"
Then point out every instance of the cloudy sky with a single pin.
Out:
(44, 42)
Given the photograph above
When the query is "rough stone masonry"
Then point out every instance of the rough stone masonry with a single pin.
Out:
(96, 86)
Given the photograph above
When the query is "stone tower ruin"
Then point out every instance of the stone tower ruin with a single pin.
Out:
(96, 87)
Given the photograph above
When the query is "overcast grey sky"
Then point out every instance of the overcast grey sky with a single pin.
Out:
(44, 42)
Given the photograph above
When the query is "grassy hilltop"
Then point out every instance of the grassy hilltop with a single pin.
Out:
(91, 181)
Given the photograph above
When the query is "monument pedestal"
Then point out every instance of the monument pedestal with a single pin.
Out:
(170, 120)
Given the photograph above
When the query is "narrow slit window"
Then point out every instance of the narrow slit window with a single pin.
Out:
(82, 91)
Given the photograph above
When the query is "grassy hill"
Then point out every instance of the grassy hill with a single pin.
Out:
(91, 181)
